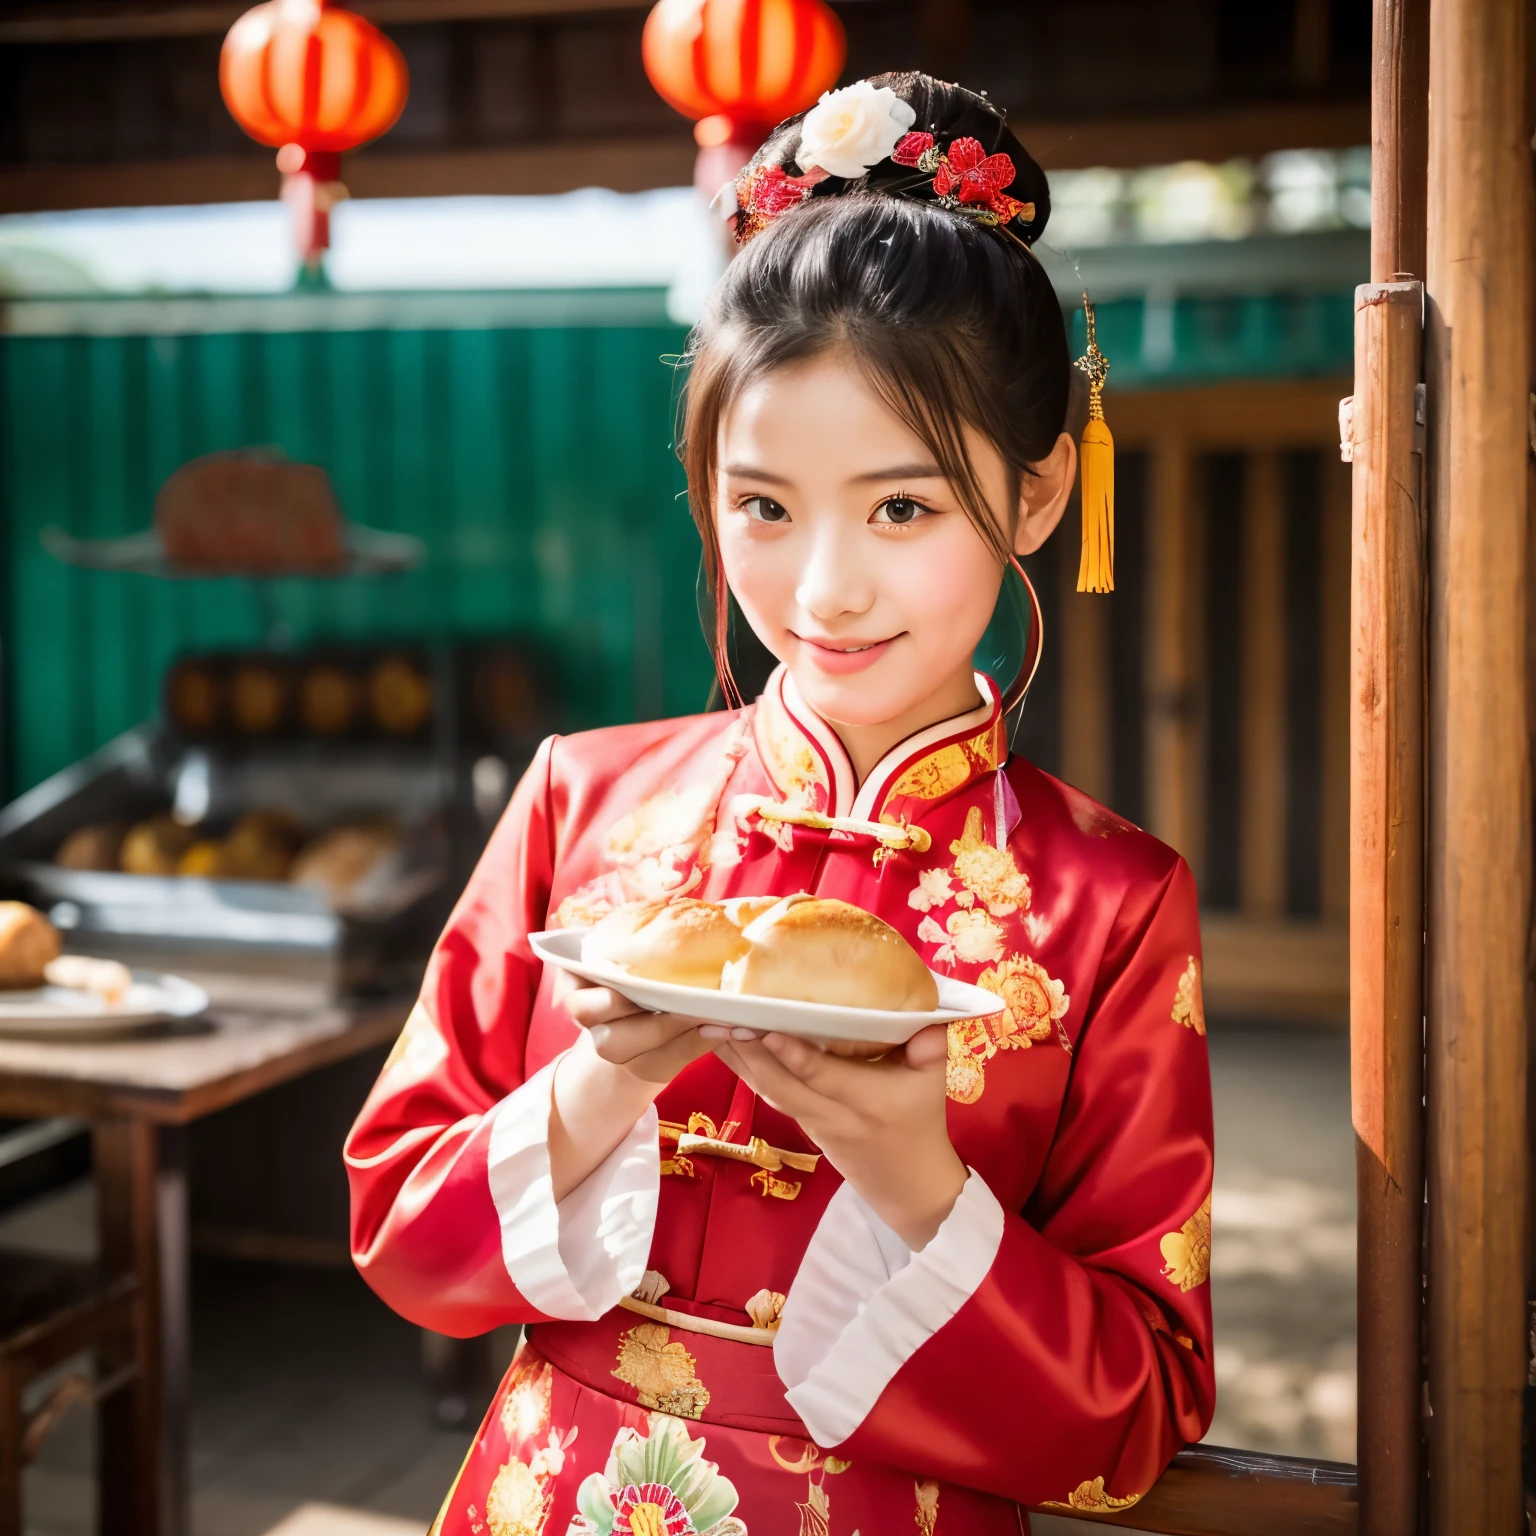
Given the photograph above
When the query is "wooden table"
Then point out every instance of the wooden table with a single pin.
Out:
(139, 1095)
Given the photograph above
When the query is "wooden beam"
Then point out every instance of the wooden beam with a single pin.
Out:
(1479, 851)
(1399, 137)
(1288, 413)
(1262, 791)
(625, 165)
(1334, 554)
(1275, 969)
(1212, 1491)
(1175, 603)
(1085, 706)
(1386, 779)
(90, 21)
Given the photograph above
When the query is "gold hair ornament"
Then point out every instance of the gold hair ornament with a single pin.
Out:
(1096, 569)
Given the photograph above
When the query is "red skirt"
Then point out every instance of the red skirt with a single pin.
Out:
(624, 1427)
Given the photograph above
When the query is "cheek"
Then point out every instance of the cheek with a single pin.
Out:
(947, 584)
(760, 572)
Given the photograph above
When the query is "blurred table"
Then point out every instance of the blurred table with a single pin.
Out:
(139, 1094)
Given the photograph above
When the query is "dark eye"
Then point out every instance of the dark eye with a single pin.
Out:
(764, 509)
(899, 510)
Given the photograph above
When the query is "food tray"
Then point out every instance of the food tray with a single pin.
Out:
(68, 1013)
(561, 947)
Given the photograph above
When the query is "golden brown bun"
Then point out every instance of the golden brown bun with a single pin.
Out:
(28, 941)
(683, 941)
(820, 950)
(339, 860)
(155, 847)
(95, 846)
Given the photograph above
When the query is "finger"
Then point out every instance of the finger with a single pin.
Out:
(781, 1083)
(624, 1040)
(601, 1005)
(844, 1079)
(928, 1048)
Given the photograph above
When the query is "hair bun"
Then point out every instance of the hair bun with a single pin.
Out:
(955, 151)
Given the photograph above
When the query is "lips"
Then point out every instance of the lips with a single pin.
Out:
(844, 656)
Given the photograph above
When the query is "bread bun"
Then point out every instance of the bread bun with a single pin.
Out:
(819, 950)
(28, 941)
(683, 941)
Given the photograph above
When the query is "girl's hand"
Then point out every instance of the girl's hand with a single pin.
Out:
(880, 1122)
(621, 1061)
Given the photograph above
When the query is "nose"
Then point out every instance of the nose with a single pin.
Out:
(834, 582)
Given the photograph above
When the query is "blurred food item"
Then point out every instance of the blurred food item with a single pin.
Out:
(258, 698)
(261, 846)
(28, 941)
(329, 697)
(338, 860)
(95, 846)
(193, 696)
(252, 513)
(399, 696)
(505, 700)
(205, 859)
(107, 979)
(155, 846)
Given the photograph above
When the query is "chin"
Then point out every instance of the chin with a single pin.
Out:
(863, 699)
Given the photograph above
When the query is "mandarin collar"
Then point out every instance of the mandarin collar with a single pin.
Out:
(807, 762)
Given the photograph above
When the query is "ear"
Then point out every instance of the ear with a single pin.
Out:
(1043, 496)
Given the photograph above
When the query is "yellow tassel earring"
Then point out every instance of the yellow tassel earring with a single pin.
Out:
(1096, 569)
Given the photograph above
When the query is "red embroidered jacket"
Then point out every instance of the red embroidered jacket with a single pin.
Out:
(1074, 1270)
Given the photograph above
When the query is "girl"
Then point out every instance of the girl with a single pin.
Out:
(773, 1290)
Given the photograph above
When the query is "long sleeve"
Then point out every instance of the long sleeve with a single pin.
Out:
(453, 1218)
(1061, 1354)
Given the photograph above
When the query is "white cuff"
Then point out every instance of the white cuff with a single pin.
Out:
(863, 1303)
(576, 1259)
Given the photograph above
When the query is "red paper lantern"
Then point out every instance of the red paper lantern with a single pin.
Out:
(312, 79)
(738, 67)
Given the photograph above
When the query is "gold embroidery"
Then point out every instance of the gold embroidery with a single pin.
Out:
(926, 1514)
(1188, 1005)
(525, 1410)
(1035, 1001)
(661, 1371)
(970, 937)
(764, 1307)
(968, 1048)
(934, 776)
(1092, 1499)
(516, 1504)
(419, 1045)
(1187, 1252)
(780, 1189)
(989, 874)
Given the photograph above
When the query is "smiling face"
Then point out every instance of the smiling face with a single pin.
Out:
(852, 556)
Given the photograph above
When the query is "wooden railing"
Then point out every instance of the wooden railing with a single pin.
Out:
(1212, 1491)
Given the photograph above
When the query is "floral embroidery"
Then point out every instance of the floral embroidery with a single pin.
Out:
(989, 874)
(816, 1512)
(1187, 1252)
(1035, 1001)
(936, 775)
(525, 1410)
(933, 889)
(1188, 1005)
(926, 1514)
(1091, 1498)
(517, 1504)
(966, 179)
(969, 937)
(656, 1484)
(661, 1371)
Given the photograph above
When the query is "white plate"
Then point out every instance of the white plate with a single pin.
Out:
(876, 1026)
(56, 1013)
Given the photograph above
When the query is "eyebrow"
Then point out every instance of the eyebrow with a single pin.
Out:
(916, 471)
(752, 472)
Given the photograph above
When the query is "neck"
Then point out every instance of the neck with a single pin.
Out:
(867, 744)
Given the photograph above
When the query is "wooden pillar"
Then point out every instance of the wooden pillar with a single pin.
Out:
(1334, 552)
(1085, 694)
(1262, 871)
(1175, 608)
(1399, 137)
(1479, 849)
(1386, 891)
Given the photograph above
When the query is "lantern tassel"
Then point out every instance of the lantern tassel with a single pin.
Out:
(1096, 568)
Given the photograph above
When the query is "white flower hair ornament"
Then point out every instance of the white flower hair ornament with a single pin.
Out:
(852, 129)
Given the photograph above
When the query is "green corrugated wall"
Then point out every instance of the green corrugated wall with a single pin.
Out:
(535, 463)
